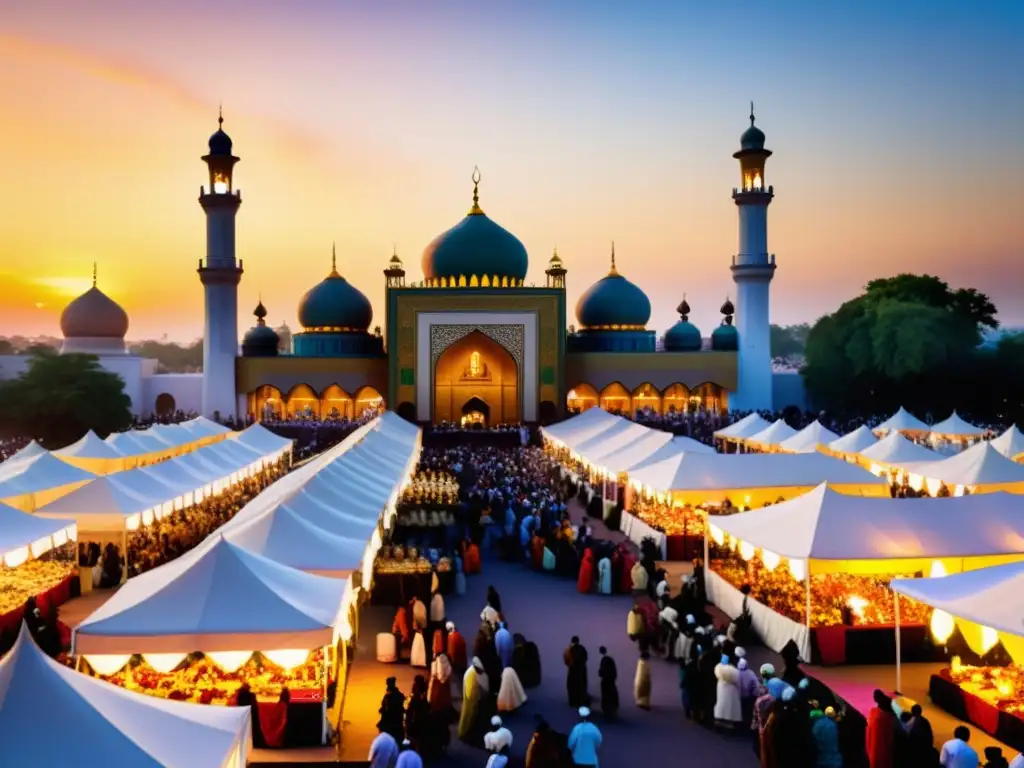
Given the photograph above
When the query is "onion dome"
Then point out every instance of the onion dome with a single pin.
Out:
(476, 246)
(94, 315)
(753, 137)
(683, 336)
(220, 142)
(260, 340)
(725, 337)
(335, 305)
(613, 303)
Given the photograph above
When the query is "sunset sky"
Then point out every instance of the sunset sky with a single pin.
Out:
(897, 128)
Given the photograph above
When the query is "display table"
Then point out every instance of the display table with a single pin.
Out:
(302, 725)
(56, 595)
(964, 705)
(636, 530)
(681, 547)
(396, 589)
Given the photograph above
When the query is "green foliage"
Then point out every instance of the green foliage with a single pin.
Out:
(789, 340)
(60, 397)
(172, 358)
(6, 347)
(907, 339)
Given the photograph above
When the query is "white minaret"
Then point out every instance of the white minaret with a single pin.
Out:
(752, 270)
(220, 274)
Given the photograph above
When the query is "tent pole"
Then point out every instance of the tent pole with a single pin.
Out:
(899, 663)
(807, 580)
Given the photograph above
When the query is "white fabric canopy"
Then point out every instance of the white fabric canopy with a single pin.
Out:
(992, 597)
(128, 444)
(745, 427)
(217, 597)
(20, 529)
(671, 449)
(51, 715)
(201, 427)
(854, 442)
(149, 441)
(721, 472)
(954, 426)
(621, 433)
(1010, 443)
(902, 421)
(175, 434)
(262, 439)
(103, 504)
(772, 435)
(580, 427)
(896, 450)
(89, 446)
(38, 473)
(980, 464)
(808, 439)
(32, 449)
(827, 525)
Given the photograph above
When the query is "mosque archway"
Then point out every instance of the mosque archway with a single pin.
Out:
(615, 398)
(266, 403)
(165, 405)
(335, 403)
(475, 411)
(580, 398)
(302, 402)
(646, 399)
(476, 366)
(676, 398)
(367, 399)
(709, 397)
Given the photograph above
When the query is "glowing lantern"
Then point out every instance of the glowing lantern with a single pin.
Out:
(942, 626)
(938, 570)
(798, 568)
(857, 605)
(770, 559)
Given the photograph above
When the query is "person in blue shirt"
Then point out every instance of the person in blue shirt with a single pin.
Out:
(585, 741)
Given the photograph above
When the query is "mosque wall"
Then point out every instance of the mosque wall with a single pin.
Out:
(662, 369)
(286, 372)
(174, 392)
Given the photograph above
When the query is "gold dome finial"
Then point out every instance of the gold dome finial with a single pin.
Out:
(476, 210)
(613, 270)
(94, 274)
(751, 113)
(220, 115)
(334, 260)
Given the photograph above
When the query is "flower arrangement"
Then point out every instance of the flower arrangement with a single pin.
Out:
(30, 578)
(999, 686)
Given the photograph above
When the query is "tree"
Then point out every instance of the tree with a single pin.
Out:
(789, 340)
(172, 358)
(907, 339)
(60, 397)
(6, 347)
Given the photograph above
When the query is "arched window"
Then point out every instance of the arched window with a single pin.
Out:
(615, 398)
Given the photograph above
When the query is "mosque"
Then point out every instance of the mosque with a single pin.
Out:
(469, 340)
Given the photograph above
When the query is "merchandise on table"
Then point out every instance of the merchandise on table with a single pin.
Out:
(204, 681)
(423, 518)
(431, 487)
(1002, 687)
(30, 579)
(399, 559)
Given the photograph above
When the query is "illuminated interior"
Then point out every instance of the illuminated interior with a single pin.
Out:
(266, 403)
(580, 398)
(646, 398)
(335, 403)
(302, 403)
(615, 397)
(676, 398)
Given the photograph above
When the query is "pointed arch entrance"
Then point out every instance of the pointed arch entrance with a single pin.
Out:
(476, 369)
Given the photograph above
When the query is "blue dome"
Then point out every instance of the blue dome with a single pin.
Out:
(335, 304)
(684, 335)
(260, 340)
(613, 301)
(725, 338)
(752, 138)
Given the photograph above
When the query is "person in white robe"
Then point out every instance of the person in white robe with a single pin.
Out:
(638, 574)
(418, 655)
(437, 608)
(511, 695)
(383, 751)
(728, 702)
(499, 737)
(419, 614)
(490, 616)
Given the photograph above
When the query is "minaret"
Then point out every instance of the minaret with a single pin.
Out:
(394, 274)
(752, 270)
(556, 272)
(220, 273)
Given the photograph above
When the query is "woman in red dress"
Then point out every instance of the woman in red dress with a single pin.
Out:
(470, 558)
(537, 553)
(625, 578)
(456, 649)
(586, 576)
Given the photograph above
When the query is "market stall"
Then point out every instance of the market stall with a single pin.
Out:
(770, 438)
(144, 447)
(92, 454)
(956, 432)
(252, 620)
(979, 469)
(893, 453)
(808, 439)
(737, 432)
(51, 715)
(849, 445)
(819, 566)
(569, 433)
(904, 422)
(985, 610)
(30, 483)
(1010, 443)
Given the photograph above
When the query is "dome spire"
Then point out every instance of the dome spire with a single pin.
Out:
(476, 210)
(613, 270)
(220, 115)
(260, 311)
(94, 274)
(334, 260)
(751, 113)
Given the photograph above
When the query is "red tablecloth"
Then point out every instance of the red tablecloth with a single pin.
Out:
(56, 595)
(980, 712)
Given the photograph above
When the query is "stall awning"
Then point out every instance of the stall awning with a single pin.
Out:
(1010, 443)
(808, 439)
(745, 427)
(854, 442)
(902, 421)
(103, 504)
(954, 426)
(896, 450)
(89, 446)
(979, 465)
(774, 434)
(262, 439)
(38, 473)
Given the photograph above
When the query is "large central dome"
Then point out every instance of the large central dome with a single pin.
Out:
(334, 305)
(476, 247)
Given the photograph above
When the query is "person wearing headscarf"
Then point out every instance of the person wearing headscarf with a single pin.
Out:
(392, 711)
(511, 695)
(470, 557)
(503, 645)
(585, 740)
(575, 658)
(880, 738)
(642, 682)
(543, 750)
(408, 757)
(440, 693)
(383, 750)
(728, 706)
(499, 737)
(750, 687)
(490, 616)
(825, 733)
(604, 576)
(762, 707)
(456, 649)
(418, 654)
(475, 689)
(788, 735)
(609, 675)
(585, 578)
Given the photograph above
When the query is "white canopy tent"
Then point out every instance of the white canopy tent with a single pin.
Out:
(605, 443)
(92, 454)
(747, 426)
(33, 482)
(104, 504)
(262, 439)
(808, 439)
(578, 428)
(1010, 443)
(895, 451)
(771, 436)
(51, 715)
(145, 445)
(955, 427)
(32, 449)
(903, 421)
(699, 478)
(980, 468)
(203, 427)
(218, 597)
(854, 442)
(23, 535)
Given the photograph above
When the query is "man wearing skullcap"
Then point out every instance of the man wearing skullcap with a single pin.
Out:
(585, 741)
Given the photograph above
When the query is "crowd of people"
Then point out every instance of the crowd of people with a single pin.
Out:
(11, 445)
